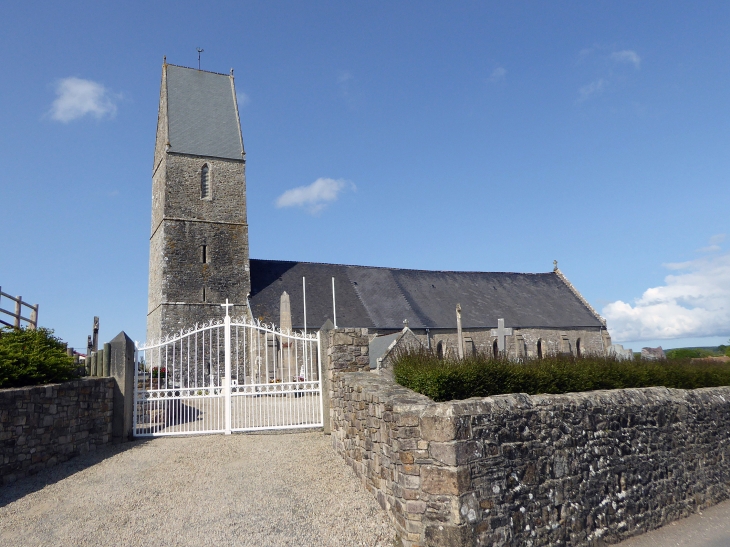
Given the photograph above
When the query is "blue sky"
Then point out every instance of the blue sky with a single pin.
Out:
(492, 136)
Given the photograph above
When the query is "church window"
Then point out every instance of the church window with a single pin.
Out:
(440, 350)
(204, 253)
(495, 350)
(205, 182)
(203, 294)
(539, 349)
(578, 349)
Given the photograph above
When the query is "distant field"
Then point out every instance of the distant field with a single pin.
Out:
(697, 352)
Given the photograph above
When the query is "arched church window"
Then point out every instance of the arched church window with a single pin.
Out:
(578, 349)
(495, 350)
(205, 182)
(539, 349)
(440, 350)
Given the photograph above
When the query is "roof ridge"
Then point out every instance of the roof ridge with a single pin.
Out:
(198, 69)
(400, 269)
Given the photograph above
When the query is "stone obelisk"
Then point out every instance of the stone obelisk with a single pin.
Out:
(460, 340)
(285, 313)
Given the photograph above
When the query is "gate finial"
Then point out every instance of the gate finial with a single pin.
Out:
(226, 306)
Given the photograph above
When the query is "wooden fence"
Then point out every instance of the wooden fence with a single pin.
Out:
(18, 314)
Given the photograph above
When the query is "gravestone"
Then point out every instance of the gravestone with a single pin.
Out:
(501, 333)
(653, 354)
(620, 353)
(285, 313)
(460, 337)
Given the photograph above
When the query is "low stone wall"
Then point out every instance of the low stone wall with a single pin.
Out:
(577, 469)
(347, 350)
(44, 425)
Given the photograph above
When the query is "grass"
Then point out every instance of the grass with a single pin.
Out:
(482, 376)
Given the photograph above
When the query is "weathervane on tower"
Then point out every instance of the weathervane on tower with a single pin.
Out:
(199, 50)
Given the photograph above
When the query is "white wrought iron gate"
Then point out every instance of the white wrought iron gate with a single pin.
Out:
(228, 375)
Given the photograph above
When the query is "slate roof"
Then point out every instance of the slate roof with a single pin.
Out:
(202, 117)
(381, 298)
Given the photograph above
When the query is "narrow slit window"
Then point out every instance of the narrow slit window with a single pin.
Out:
(204, 253)
(205, 182)
(203, 294)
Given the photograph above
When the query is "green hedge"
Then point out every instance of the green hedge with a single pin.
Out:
(33, 357)
(444, 380)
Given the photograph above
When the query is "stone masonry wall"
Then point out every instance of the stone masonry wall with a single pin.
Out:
(576, 469)
(41, 426)
(347, 350)
(523, 342)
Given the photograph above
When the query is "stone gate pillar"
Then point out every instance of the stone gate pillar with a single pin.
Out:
(121, 368)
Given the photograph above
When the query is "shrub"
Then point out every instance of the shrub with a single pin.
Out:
(481, 376)
(33, 357)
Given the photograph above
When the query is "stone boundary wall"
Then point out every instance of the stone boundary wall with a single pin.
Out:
(41, 426)
(347, 350)
(577, 469)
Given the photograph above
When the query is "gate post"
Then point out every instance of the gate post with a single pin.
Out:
(321, 381)
(325, 373)
(227, 360)
(123, 368)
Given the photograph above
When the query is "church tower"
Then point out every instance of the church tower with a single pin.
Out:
(199, 238)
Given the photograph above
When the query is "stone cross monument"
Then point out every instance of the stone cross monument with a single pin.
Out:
(199, 236)
(459, 335)
(501, 333)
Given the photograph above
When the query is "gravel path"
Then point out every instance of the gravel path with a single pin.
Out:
(262, 490)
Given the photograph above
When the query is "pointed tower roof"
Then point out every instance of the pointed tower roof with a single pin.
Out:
(202, 113)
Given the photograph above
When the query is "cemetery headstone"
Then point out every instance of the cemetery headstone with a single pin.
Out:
(653, 354)
(459, 334)
(501, 333)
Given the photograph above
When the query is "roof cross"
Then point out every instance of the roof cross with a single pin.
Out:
(501, 333)
(226, 306)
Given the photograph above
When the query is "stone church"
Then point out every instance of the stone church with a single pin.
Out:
(199, 256)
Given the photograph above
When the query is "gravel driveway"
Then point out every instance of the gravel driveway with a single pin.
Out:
(278, 489)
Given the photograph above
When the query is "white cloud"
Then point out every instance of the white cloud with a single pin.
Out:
(344, 77)
(314, 197)
(627, 56)
(714, 244)
(77, 97)
(607, 74)
(498, 74)
(242, 99)
(584, 53)
(592, 88)
(344, 82)
(694, 302)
